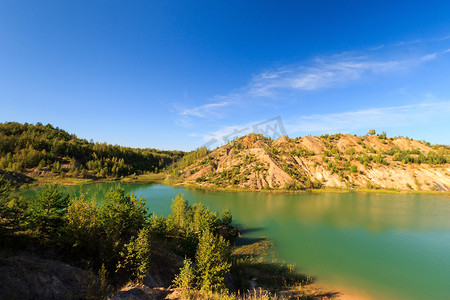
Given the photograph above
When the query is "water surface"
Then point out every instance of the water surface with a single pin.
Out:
(384, 246)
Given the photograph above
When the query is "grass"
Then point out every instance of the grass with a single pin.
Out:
(136, 179)
(255, 294)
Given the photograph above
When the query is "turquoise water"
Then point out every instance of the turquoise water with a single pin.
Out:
(383, 246)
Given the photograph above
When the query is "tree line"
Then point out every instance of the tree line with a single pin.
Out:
(46, 148)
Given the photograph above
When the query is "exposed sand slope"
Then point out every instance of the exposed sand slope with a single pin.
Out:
(256, 162)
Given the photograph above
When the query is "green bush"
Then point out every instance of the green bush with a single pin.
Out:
(226, 217)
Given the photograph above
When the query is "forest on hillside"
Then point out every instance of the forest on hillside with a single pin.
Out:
(44, 149)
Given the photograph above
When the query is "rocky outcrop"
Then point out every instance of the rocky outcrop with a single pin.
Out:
(31, 277)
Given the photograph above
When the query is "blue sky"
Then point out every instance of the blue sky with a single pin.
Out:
(174, 75)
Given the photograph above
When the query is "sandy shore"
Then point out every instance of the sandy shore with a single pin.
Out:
(338, 293)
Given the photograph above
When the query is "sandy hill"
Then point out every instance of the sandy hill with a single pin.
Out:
(338, 161)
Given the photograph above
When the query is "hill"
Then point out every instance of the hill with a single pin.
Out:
(43, 150)
(329, 161)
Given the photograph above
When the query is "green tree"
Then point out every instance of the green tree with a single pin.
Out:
(12, 209)
(213, 261)
(226, 217)
(136, 256)
(178, 218)
(56, 167)
(48, 209)
(186, 278)
(83, 227)
(157, 225)
(201, 218)
(122, 216)
(371, 132)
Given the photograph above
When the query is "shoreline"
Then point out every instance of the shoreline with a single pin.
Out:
(161, 178)
(341, 292)
(309, 191)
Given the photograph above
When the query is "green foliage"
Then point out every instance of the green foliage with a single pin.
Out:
(186, 219)
(226, 217)
(56, 167)
(371, 132)
(178, 217)
(12, 209)
(186, 279)
(157, 225)
(257, 260)
(189, 158)
(116, 235)
(213, 261)
(382, 136)
(257, 251)
(5, 191)
(201, 219)
(136, 256)
(24, 146)
(83, 227)
(48, 209)
(379, 159)
(122, 216)
(415, 156)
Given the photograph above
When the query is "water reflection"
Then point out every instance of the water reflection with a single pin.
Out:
(374, 212)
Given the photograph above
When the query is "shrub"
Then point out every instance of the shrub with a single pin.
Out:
(226, 217)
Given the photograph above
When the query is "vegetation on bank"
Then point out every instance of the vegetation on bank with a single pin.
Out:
(43, 149)
(116, 238)
(255, 162)
(315, 191)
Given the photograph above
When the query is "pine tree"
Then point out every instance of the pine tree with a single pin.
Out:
(136, 256)
(186, 278)
(177, 219)
(48, 210)
(213, 261)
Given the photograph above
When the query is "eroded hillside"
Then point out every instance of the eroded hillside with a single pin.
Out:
(337, 161)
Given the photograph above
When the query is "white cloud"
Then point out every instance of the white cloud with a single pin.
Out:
(322, 74)
(319, 74)
(204, 110)
(430, 56)
(374, 117)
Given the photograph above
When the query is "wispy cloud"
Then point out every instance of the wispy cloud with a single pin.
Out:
(384, 117)
(204, 110)
(326, 72)
(323, 73)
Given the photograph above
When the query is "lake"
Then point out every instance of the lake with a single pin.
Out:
(382, 246)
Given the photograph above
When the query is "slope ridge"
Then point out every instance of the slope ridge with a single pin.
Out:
(328, 161)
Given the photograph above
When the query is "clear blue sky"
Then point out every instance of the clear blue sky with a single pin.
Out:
(174, 74)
